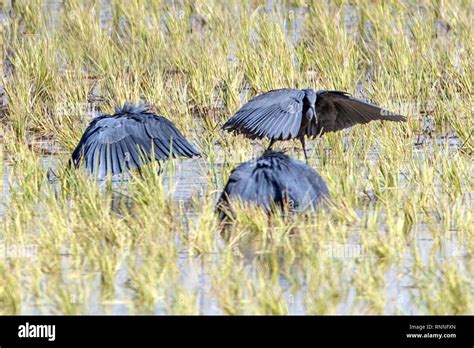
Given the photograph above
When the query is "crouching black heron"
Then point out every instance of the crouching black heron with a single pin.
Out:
(273, 181)
(133, 136)
(284, 114)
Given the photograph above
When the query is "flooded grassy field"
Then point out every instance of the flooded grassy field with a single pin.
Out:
(398, 237)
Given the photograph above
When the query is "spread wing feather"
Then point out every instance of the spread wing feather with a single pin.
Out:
(338, 110)
(127, 140)
(272, 180)
(276, 115)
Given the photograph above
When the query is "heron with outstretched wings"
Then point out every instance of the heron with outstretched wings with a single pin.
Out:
(133, 136)
(284, 114)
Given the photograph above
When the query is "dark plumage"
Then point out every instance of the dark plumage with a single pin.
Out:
(127, 140)
(284, 114)
(273, 180)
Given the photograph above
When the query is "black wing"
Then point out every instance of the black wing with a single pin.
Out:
(273, 181)
(276, 114)
(338, 110)
(114, 144)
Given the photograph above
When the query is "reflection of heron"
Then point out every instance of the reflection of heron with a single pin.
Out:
(127, 140)
(284, 114)
(273, 180)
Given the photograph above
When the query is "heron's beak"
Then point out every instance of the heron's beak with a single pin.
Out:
(314, 114)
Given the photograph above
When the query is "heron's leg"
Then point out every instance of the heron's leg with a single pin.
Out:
(272, 141)
(304, 148)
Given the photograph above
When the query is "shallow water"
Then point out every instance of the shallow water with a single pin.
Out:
(195, 272)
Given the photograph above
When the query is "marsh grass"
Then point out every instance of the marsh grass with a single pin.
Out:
(397, 236)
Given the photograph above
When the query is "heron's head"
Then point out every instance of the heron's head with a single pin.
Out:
(310, 97)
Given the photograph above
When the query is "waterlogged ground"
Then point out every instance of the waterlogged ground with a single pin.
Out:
(397, 238)
(195, 272)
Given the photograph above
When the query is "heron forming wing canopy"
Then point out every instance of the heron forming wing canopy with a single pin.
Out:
(276, 114)
(273, 180)
(127, 140)
(338, 110)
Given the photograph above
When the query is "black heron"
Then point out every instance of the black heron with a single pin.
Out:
(284, 114)
(273, 181)
(113, 144)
